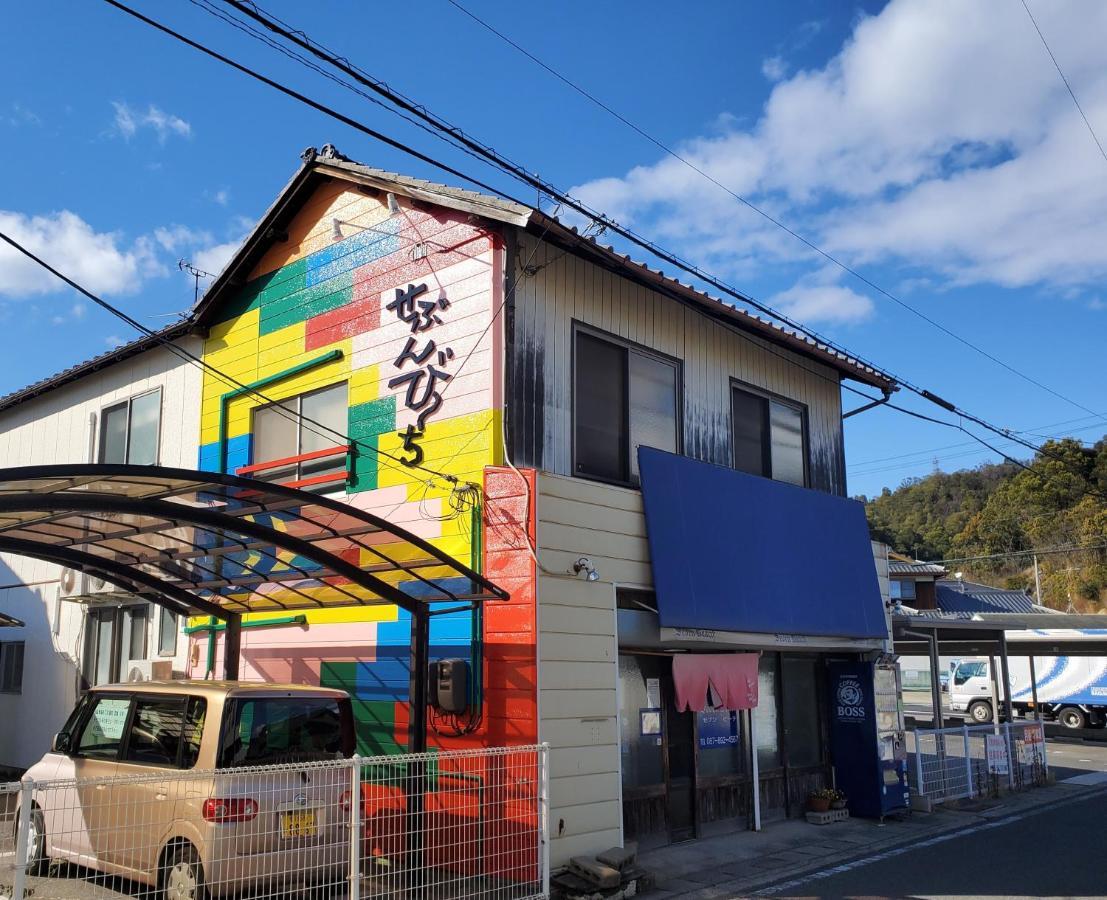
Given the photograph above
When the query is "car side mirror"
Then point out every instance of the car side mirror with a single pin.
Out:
(60, 744)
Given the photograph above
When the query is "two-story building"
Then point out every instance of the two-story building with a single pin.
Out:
(656, 476)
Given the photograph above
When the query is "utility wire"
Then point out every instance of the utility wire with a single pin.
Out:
(811, 245)
(525, 176)
(191, 358)
(1047, 551)
(1068, 86)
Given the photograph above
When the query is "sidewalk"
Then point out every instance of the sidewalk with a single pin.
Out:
(739, 864)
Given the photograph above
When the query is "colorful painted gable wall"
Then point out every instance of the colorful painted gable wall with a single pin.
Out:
(398, 305)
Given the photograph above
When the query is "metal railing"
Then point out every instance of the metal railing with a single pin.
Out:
(977, 760)
(455, 824)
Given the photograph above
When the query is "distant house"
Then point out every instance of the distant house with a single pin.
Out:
(927, 587)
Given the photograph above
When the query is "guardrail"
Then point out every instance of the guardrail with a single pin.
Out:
(977, 760)
(456, 824)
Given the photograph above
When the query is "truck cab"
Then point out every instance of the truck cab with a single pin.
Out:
(970, 689)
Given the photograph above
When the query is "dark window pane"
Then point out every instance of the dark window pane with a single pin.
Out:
(653, 406)
(267, 732)
(748, 413)
(142, 448)
(193, 731)
(601, 409)
(113, 434)
(156, 731)
(640, 737)
(167, 632)
(768, 733)
(786, 430)
(906, 589)
(136, 618)
(801, 712)
(17, 674)
(103, 732)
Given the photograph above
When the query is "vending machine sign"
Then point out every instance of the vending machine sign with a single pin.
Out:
(850, 696)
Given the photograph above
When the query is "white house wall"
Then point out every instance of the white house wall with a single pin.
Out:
(59, 427)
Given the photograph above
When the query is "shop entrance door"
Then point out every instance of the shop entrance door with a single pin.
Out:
(681, 757)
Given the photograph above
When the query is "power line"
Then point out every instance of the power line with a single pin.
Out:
(1068, 86)
(1048, 551)
(845, 267)
(525, 176)
(191, 358)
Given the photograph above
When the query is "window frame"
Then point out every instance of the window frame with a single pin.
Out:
(6, 648)
(127, 404)
(176, 633)
(628, 346)
(78, 733)
(767, 445)
(257, 467)
(185, 701)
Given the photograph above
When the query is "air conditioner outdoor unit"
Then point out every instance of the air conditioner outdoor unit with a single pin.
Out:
(84, 588)
(139, 670)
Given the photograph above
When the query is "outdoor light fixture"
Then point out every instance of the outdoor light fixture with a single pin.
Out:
(393, 203)
(336, 230)
(584, 564)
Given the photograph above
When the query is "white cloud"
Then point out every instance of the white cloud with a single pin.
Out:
(174, 237)
(113, 341)
(213, 259)
(774, 68)
(128, 121)
(939, 137)
(97, 260)
(75, 313)
(812, 300)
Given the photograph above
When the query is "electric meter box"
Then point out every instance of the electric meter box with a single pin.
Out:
(450, 685)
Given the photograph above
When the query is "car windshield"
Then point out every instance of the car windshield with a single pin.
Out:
(283, 730)
(968, 670)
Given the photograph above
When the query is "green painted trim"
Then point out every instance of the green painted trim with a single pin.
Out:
(329, 356)
(213, 626)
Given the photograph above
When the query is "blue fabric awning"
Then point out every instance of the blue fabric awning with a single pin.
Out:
(734, 552)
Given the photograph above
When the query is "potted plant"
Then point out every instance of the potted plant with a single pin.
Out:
(820, 800)
(839, 800)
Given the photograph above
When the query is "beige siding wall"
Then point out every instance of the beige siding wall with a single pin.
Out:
(58, 427)
(566, 288)
(578, 653)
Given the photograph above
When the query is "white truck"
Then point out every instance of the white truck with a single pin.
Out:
(1072, 690)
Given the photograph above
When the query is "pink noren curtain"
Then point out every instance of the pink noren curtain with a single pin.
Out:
(731, 676)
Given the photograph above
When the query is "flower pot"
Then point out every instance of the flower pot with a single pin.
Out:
(838, 804)
(818, 804)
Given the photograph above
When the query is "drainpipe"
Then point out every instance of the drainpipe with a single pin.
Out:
(853, 412)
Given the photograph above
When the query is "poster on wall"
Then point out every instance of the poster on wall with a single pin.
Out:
(718, 728)
(995, 748)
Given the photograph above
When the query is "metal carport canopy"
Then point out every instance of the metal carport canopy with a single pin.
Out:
(1027, 634)
(204, 543)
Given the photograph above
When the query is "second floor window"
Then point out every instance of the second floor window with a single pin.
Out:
(11, 667)
(624, 398)
(129, 430)
(297, 427)
(903, 590)
(769, 437)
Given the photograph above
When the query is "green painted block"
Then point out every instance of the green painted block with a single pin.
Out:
(303, 304)
(367, 422)
(374, 720)
(267, 289)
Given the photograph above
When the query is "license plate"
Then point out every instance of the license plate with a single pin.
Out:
(299, 824)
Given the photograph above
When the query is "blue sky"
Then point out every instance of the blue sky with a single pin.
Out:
(930, 145)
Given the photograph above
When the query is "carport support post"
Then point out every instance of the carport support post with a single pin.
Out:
(1034, 690)
(232, 646)
(417, 740)
(936, 681)
(1006, 675)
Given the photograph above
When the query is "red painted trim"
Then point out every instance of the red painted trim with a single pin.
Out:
(292, 460)
(303, 482)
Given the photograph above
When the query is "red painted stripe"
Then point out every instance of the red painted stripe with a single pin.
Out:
(363, 313)
(291, 460)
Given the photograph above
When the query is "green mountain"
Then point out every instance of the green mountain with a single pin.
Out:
(1056, 500)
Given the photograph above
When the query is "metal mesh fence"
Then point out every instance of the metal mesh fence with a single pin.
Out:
(977, 760)
(458, 824)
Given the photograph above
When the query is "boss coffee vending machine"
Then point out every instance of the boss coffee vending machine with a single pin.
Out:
(867, 739)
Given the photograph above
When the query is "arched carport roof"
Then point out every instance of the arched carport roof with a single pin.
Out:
(204, 543)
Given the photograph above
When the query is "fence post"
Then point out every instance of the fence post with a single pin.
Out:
(919, 765)
(1011, 761)
(355, 827)
(1045, 753)
(968, 761)
(544, 817)
(22, 835)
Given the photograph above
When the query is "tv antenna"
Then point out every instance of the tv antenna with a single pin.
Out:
(185, 266)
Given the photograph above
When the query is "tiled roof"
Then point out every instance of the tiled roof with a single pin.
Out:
(970, 598)
(897, 567)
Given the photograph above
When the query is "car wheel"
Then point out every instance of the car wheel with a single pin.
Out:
(1071, 717)
(37, 860)
(980, 711)
(182, 876)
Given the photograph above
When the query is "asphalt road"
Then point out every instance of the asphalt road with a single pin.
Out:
(1055, 852)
